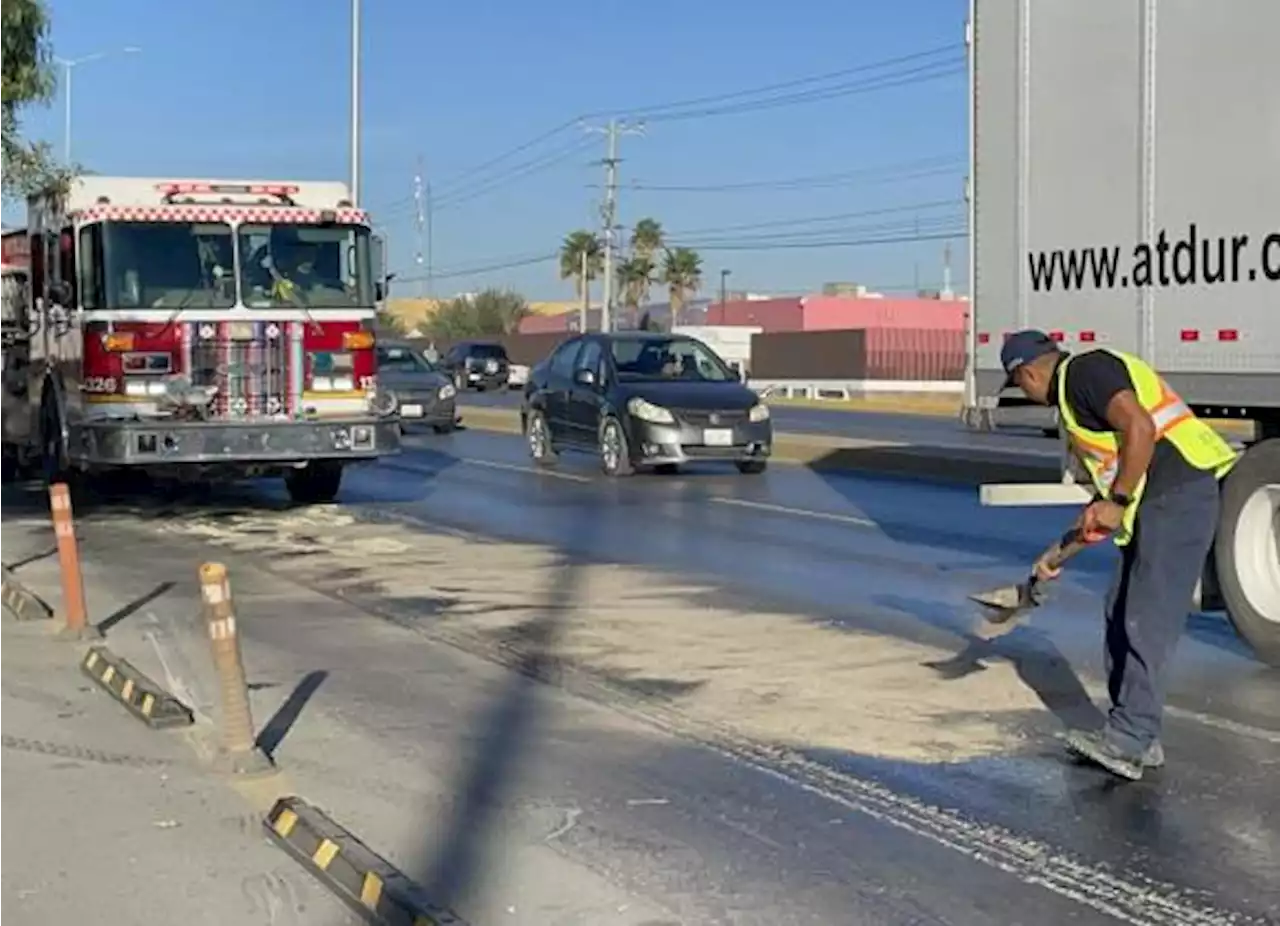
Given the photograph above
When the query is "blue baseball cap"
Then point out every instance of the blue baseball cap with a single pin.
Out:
(1024, 347)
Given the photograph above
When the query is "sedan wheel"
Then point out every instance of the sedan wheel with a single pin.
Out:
(539, 438)
(615, 455)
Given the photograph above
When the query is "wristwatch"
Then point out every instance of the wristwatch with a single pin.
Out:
(1121, 499)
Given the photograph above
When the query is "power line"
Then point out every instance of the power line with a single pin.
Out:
(902, 170)
(937, 223)
(882, 82)
(828, 217)
(841, 243)
(525, 169)
(500, 264)
(660, 111)
(654, 110)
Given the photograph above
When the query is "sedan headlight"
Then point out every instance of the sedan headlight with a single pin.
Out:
(647, 411)
(447, 391)
(759, 412)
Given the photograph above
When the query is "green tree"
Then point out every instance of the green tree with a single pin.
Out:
(487, 314)
(647, 238)
(635, 277)
(682, 275)
(572, 248)
(28, 79)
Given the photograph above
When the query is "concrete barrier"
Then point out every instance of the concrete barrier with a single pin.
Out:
(142, 697)
(21, 602)
(366, 882)
(841, 454)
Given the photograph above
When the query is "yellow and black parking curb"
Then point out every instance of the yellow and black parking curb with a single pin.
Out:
(142, 697)
(21, 602)
(367, 883)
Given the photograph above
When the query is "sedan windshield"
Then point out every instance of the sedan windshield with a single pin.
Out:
(305, 266)
(402, 360)
(668, 359)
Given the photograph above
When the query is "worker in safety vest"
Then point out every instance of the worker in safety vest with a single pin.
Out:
(1155, 467)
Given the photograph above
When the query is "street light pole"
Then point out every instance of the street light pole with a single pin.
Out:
(68, 65)
(724, 292)
(355, 102)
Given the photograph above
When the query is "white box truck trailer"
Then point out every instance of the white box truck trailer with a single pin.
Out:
(1125, 192)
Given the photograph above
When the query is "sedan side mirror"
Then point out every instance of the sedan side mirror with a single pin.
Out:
(585, 377)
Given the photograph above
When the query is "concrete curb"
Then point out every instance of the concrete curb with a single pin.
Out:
(142, 697)
(366, 882)
(21, 602)
(857, 455)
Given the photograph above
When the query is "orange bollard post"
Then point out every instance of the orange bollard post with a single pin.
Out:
(75, 611)
(239, 747)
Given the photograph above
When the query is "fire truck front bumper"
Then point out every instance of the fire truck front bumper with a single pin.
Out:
(130, 443)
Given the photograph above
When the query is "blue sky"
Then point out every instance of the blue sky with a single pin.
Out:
(260, 89)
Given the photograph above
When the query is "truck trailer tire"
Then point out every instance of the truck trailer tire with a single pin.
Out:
(1247, 550)
(315, 484)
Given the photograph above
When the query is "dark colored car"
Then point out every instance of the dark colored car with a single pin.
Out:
(423, 393)
(477, 365)
(641, 400)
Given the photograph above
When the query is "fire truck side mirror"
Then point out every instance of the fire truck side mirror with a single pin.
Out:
(378, 261)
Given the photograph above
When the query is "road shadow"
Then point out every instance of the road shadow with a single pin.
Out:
(277, 728)
(458, 869)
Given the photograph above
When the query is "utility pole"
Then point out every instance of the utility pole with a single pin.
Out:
(68, 65)
(431, 240)
(585, 312)
(419, 221)
(355, 102)
(609, 209)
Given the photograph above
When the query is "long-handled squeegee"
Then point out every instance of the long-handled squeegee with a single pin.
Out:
(1003, 606)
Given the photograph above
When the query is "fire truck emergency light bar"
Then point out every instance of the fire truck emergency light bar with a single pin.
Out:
(251, 189)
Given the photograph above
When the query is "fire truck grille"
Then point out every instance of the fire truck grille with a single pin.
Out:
(248, 364)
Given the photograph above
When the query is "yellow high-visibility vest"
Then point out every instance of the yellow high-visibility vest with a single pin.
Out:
(1198, 443)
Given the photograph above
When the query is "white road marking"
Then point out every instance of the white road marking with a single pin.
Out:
(795, 512)
(517, 468)
(488, 464)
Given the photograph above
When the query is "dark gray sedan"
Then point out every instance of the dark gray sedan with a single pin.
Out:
(423, 394)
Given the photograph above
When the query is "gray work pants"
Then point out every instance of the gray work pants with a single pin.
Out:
(1149, 602)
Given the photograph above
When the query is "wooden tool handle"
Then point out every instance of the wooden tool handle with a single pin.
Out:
(1065, 547)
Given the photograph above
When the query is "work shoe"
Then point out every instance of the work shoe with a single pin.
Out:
(1100, 750)
(1154, 756)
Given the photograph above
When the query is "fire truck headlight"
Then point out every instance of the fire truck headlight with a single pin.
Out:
(137, 388)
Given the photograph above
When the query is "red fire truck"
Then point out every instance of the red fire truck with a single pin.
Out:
(202, 329)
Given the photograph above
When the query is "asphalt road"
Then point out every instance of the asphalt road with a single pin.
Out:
(897, 558)
(871, 832)
(916, 429)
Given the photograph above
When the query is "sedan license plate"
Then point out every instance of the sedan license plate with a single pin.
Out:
(718, 437)
(410, 411)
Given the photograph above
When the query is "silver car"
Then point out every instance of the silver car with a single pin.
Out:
(423, 394)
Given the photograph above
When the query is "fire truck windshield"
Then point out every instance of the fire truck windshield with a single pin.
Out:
(166, 264)
(307, 266)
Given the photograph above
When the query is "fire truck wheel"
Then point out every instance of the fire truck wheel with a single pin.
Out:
(315, 484)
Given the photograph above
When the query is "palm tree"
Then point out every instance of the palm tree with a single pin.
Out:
(571, 250)
(682, 274)
(647, 238)
(635, 276)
